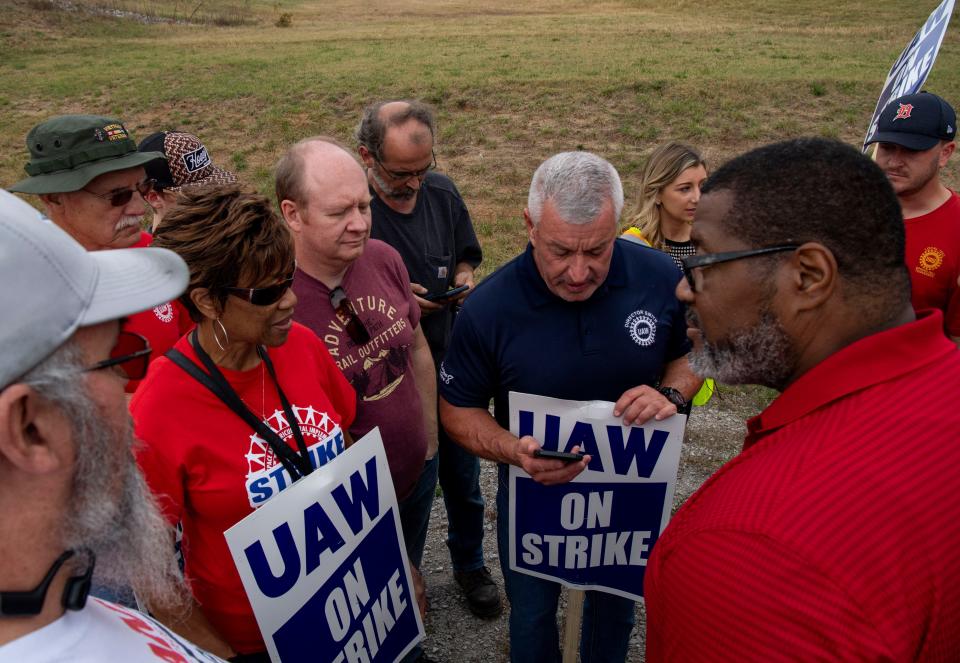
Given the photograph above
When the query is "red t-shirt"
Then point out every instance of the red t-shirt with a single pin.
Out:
(161, 325)
(933, 259)
(209, 470)
(834, 535)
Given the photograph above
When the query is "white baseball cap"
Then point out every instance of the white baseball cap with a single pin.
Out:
(50, 285)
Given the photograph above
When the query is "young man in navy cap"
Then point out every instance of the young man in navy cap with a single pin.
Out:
(915, 137)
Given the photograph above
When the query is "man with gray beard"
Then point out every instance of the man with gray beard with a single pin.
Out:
(833, 535)
(91, 180)
(70, 492)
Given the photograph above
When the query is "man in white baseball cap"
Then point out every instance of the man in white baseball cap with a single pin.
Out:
(70, 492)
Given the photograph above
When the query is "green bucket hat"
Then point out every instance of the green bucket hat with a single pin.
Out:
(68, 151)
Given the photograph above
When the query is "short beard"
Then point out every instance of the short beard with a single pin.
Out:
(132, 542)
(403, 193)
(761, 354)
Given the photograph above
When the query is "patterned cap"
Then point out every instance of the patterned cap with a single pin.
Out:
(187, 164)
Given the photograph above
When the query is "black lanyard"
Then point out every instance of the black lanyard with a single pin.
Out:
(297, 464)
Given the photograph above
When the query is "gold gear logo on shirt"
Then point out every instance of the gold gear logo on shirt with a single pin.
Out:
(930, 260)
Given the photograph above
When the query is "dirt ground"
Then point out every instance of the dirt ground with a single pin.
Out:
(714, 435)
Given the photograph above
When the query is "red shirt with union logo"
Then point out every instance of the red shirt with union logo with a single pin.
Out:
(933, 259)
(209, 470)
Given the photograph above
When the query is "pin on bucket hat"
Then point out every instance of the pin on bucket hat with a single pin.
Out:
(68, 151)
(916, 122)
(68, 286)
(187, 162)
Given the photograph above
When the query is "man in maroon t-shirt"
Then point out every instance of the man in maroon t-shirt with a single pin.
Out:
(91, 180)
(354, 292)
(915, 138)
(833, 535)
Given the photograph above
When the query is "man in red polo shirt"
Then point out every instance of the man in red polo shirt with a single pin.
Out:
(833, 535)
(915, 137)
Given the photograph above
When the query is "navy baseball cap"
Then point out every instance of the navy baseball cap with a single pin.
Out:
(916, 122)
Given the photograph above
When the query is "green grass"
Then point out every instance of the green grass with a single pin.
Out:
(512, 82)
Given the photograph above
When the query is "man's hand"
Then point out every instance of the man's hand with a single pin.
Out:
(546, 470)
(640, 404)
(463, 277)
(426, 307)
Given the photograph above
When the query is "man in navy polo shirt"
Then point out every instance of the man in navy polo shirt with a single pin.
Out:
(580, 316)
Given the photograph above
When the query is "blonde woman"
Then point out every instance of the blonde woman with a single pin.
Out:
(669, 194)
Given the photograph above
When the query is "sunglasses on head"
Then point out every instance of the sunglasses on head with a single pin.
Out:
(270, 294)
(130, 355)
(341, 304)
(120, 197)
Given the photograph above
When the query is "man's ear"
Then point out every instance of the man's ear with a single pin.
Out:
(365, 156)
(35, 434)
(52, 200)
(291, 213)
(945, 153)
(814, 277)
(528, 221)
(205, 303)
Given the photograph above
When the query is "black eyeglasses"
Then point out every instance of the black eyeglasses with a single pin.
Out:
(409, 174)
(271, 294)
(120, 197)
(130, 355)
(691, 263)
(343, 308)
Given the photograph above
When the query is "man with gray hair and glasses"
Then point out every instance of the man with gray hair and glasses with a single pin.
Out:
(71, 496)
(580, 316)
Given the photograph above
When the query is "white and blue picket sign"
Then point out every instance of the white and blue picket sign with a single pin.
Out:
(595, 532)
(324, 565)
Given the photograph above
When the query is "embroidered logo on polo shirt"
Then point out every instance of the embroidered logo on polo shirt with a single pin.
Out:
(642, 326)
(266, 475)
(164, 312)
(444, 376)
(930, 260)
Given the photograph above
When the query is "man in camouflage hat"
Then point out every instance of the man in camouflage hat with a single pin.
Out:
(90, 176)
(187, 164)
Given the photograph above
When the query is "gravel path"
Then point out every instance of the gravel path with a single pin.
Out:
(714, 435)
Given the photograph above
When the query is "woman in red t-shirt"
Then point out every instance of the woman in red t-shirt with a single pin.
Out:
(241, 407)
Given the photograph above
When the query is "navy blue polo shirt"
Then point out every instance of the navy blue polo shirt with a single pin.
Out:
(513, 334)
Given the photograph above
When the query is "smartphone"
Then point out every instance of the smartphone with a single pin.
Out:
(557, 455)
(447, 295)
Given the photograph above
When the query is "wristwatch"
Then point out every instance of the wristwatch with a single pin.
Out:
(674, 397)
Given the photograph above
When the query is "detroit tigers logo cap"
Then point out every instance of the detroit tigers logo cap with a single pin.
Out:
(916, 122)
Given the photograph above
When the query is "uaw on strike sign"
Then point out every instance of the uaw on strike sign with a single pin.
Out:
(910, 70)
(324, 565)
(595, 532)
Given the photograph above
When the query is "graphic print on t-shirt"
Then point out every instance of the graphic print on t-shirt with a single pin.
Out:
(376, 368)
(266, 475)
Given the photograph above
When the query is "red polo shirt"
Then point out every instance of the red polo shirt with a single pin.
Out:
(835, 534)
(933, 259)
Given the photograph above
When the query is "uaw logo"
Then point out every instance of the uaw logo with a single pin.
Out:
(642, 326)
(930, 260)
(164, 312)
(903, 113)
(266, 475)
(444, 376)
(196, 160)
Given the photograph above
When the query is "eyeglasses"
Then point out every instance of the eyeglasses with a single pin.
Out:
(409, 174)
(130, 354)
(341, 304)
(271, 294)
(120, 197)
(691, 263)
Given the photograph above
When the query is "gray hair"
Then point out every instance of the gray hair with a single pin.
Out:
(372, 129)
(579, 184)
(130, 538)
